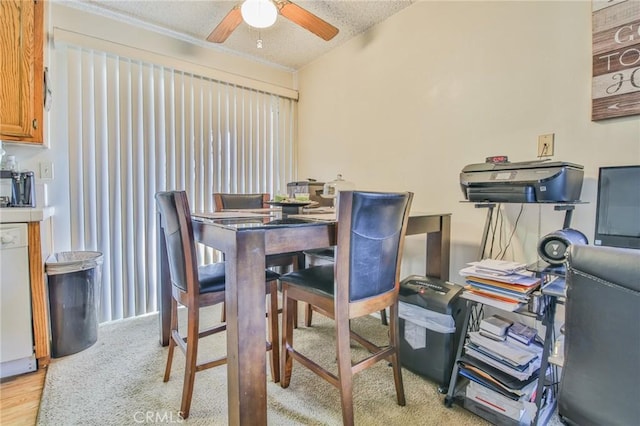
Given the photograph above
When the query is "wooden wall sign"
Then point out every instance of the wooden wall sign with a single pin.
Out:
(616, 59)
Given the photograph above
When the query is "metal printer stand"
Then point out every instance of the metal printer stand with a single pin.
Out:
(547, 388)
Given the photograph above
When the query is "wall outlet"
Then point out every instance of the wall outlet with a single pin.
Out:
(46, 170)
(545, 145)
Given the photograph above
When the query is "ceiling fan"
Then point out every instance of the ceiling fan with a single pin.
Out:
(269, 9)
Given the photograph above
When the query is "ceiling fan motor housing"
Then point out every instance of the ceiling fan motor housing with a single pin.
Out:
(259, 13)
(263, 9)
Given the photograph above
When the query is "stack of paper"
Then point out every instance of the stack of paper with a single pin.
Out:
(518, 361)
(496, 380)
(522, 410)
(502, 284)
(500, 267)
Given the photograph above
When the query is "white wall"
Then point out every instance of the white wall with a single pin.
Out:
(441, 85)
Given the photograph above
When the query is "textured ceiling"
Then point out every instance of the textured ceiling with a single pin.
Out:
(285, 43)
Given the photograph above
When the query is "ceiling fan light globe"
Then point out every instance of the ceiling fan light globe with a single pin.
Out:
(259, 13)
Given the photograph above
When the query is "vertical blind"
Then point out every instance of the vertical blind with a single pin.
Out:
(136, 128)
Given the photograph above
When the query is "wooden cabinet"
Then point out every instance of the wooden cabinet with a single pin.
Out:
(21, 70)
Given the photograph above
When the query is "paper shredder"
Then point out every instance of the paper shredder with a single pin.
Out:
(431, 315)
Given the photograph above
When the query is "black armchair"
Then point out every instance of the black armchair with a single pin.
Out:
(600, 382)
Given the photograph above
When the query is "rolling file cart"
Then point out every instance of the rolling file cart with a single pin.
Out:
(431, 314)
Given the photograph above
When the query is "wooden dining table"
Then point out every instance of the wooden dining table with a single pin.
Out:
(245, 240)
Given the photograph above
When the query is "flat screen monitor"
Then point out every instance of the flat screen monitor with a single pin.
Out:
(618, 207)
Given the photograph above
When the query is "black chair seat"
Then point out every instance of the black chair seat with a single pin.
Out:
(212, 278)
(318, 279)
(325, 253)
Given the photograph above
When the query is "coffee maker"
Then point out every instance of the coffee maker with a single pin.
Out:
(20, 189)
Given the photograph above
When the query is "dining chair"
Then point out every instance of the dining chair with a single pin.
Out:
(232, 201)
(196, 287)
(363, 279)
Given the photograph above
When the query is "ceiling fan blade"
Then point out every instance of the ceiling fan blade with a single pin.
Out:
(226, 26)
(307, 20)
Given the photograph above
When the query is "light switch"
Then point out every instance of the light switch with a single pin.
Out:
(46, 170)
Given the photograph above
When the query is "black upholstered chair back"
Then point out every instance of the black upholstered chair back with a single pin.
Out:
(375, 228)
(600, 381)
(239, 201)
(175, 219)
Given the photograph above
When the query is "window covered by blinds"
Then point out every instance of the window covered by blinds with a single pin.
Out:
(136, 128)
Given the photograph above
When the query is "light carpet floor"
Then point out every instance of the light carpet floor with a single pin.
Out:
(118, 381)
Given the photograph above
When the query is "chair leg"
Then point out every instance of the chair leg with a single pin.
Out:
(272, 314)
(286, 361)
(191, 356)
(172, 343)
(308, 315)
(297, 262)
(394, 340)
(345, 374)
(223, 313)
(383, 317)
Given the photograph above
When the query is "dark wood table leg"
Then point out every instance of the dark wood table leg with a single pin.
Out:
(245, 304)
(438, 250)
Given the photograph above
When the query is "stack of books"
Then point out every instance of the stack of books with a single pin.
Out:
(502, 284)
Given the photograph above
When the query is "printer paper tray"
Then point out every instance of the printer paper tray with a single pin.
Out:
(504, 194)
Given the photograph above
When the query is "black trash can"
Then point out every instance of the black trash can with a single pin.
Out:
(74, 281)
(431, 314)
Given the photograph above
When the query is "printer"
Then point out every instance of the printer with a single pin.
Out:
(522, 182)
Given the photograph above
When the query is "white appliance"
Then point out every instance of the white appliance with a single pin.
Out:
(16, 332)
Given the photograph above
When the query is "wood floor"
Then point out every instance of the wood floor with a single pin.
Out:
(20, 398)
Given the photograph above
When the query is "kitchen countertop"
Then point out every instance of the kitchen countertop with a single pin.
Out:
(25, 214)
